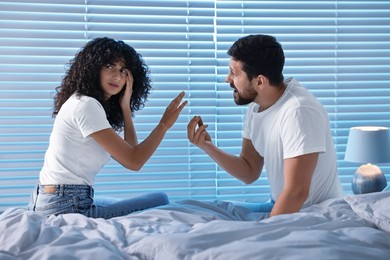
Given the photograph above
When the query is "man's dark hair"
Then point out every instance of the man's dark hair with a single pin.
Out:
(260, 55)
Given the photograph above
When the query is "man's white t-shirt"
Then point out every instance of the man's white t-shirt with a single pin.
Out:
(295, 125)
(73, 157)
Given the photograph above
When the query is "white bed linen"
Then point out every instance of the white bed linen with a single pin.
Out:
(355, 227)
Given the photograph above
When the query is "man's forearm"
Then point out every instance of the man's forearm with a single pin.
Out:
(236, 166)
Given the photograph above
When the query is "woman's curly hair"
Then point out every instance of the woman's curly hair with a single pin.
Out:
(83, 77)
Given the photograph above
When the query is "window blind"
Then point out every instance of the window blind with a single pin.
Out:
(338, 49)
(176, 41)
(37, 38)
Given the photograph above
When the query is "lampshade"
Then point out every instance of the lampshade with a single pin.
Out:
(368, 144)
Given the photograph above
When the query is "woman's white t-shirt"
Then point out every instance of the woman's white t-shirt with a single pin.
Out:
(73, 157)
(295, 125)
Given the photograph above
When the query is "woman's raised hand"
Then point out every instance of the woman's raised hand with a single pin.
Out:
(125, 100)
(172, 111)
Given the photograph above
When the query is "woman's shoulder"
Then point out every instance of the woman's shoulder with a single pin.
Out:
(81, 103)
(82, 98)
(85, 100)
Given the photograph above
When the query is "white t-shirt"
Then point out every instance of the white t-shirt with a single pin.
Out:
(295, 125)
(73, 157)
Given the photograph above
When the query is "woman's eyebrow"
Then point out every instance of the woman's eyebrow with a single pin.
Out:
(119, 64)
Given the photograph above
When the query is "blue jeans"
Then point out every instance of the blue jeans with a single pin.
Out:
(264, 208)
(62, 199)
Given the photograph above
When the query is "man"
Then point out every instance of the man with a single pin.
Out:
(286, 130)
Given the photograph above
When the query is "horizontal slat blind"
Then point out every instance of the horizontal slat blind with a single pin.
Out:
(363, 73)
(307, 33)
(36, 40)
(338, 49)
(176, 41)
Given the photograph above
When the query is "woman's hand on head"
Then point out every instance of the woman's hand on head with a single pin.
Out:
(125, 100)
(172, 111)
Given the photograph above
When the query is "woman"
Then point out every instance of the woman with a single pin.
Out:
(106, 82)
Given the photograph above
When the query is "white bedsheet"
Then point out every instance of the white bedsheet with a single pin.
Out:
(355, 227)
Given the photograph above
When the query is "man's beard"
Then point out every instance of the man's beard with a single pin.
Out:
(244, 100)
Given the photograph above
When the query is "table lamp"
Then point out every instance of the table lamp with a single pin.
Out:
(368, 145)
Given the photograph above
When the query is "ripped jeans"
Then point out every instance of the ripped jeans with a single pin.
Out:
(62, 199)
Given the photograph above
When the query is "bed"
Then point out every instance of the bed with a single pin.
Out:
(354, 227)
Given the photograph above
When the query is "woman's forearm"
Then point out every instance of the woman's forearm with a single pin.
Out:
(130, 134)
(144, 150)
